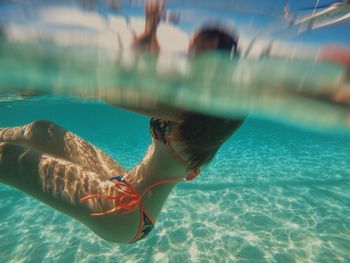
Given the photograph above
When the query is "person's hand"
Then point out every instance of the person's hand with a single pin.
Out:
(147, 41)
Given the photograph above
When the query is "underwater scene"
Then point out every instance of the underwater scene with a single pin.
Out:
(277, 190)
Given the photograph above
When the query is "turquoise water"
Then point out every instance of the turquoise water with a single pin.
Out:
(300, 91)
(274, 193)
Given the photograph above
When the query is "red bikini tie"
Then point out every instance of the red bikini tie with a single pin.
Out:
(129, 200)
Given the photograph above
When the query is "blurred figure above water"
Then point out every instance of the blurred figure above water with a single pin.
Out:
(268, 70)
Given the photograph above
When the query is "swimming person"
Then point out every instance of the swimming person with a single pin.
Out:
(73, 176)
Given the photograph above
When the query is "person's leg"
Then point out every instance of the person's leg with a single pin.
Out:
(61, 184)
(47, 137)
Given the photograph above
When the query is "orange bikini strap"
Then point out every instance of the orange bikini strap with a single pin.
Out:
(129, 199)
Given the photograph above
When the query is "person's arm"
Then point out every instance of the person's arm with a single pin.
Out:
(142, 104)
(160, 111)
(337, 55)
(148, 41)
(341, 56)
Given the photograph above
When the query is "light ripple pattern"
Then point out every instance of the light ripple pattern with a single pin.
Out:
(274, 193)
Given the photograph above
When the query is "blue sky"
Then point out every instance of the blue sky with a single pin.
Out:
(248, 16)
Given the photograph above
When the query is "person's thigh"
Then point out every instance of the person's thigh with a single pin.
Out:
(61, 184)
